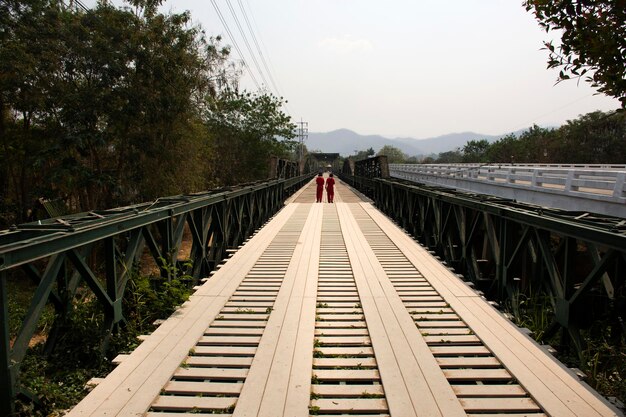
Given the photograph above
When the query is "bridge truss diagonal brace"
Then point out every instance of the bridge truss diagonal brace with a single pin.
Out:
(555, 388)
(411, 378)
(132, 386)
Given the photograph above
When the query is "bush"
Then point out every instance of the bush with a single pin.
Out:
(59, 380)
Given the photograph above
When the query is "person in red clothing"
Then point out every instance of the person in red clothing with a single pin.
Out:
(320, 187)
(330, 188)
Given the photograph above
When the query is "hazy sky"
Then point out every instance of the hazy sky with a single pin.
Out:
(417, 68)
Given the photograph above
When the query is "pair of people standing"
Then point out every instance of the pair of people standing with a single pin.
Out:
(330, 187)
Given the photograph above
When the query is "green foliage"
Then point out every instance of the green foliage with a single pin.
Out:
(593, 41)
(475, 151)
(593, 138)
(59, 379)
(605, 365)
(248, 129)
(364, 154)
(602, 360)
(450, 157)
(394, 155)
(101, 108)
(148, 299)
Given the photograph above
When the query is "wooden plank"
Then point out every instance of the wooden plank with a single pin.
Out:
(546, 382)
(238, 324)
(341, 325)
(225, 350)
(338, 317)
(131, 387)
(344, 341)
(408, 370)
(507, 415)
(456, 339)
(334, 375)
(344, 362)
(229, 340)
(219, 361)
(477, 374)
(419, 317)
(434, 331)
(489, 391)
(196, 414)
(176, 403)
(555, 388)
(232, 331)
(195, 387)
(341, 332)
(268, 381)
(510, 405)
(221, 374)
(245, 317)
(339, 310)
(350, 405)
(419, 309)
(427, 324)
(352, 390)
(459, 350)
(468, 362)
(361, 351)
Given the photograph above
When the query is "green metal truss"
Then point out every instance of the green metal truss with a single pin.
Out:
(577, 259)
(57, 254)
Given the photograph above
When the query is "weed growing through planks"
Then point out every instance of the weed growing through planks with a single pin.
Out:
(366, 394)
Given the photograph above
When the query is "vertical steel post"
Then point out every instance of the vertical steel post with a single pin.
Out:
(7, 371)
(113, 312)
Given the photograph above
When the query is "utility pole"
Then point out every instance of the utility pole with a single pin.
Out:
(303, 134)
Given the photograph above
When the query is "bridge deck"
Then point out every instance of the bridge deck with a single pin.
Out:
(330, 309)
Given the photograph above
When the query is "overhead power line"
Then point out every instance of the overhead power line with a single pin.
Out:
(258, 48)
(275, 83)
(234, 41)
(245, 40)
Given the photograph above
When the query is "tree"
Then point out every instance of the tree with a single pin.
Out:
(364, 154)
(593, 138)
(247, 129)
(504, 150)
(102, 107)
(450, 157)
(593, 41)
(476, 151)
(394, 155)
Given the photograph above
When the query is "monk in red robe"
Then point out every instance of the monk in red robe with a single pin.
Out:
(320, 187)
(330, 188)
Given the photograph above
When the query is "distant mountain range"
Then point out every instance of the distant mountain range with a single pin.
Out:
(347, 142)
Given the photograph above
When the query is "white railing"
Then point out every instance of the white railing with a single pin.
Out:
(603, 183)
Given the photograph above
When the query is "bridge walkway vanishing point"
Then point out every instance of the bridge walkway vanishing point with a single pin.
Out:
(330, 309)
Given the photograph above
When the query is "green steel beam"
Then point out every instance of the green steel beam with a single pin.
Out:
(499, 240)
(216, 219)
(8, 369)
(21, 245)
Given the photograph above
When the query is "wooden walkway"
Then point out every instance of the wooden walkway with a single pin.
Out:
(330, 309)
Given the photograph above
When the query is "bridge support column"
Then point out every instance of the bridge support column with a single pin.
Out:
(7, 371)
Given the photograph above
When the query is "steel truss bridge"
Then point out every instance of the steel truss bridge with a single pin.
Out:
(373, 305)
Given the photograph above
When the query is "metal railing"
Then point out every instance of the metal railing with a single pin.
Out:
(575, 259)
(596, 188)
(97, 250)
